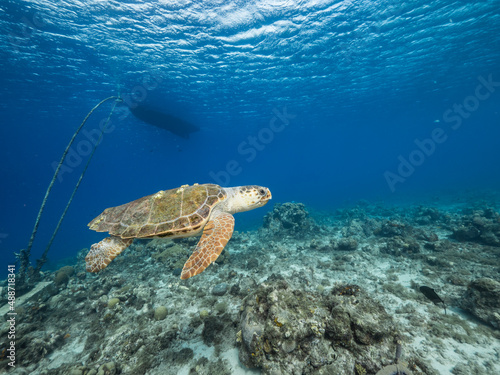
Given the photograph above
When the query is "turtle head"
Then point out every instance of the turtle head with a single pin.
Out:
(246, 198)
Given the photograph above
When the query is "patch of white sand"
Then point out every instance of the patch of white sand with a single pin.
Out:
(67, 354)
(236, 366)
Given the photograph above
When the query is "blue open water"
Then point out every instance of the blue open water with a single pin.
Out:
(324, 102)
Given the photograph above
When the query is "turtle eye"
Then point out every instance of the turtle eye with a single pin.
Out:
(262, 192)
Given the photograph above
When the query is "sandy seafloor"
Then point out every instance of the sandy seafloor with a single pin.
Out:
(81, 323)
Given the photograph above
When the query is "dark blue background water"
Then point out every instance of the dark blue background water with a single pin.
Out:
(363, 80)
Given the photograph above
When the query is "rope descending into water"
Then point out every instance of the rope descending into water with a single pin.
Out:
(40, 262)
(24, 254)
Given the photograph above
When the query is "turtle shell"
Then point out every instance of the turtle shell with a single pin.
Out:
(177, 212)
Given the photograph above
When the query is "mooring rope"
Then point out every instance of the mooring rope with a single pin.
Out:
(43, 259)
(25, 254)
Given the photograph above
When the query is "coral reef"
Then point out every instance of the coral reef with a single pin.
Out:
(482, 226)
(348, 243)
(289, 331)
(171, 254)
(482, 299)
(288, 219)
(294, 297)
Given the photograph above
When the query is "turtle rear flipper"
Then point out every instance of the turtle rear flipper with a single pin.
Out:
(102, 253)
(216, 234)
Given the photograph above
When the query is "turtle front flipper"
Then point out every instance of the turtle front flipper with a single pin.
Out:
(102, 253)
(216, 234)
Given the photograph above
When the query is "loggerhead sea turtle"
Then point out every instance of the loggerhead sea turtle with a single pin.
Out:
(181, 212)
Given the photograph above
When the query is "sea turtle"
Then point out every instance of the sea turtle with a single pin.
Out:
(181, 212)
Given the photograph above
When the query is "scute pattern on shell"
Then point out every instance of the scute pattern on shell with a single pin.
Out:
(167, 213)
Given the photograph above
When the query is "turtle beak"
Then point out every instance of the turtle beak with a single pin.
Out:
(267, 197)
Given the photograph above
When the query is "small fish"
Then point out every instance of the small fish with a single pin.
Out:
(432, 295)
